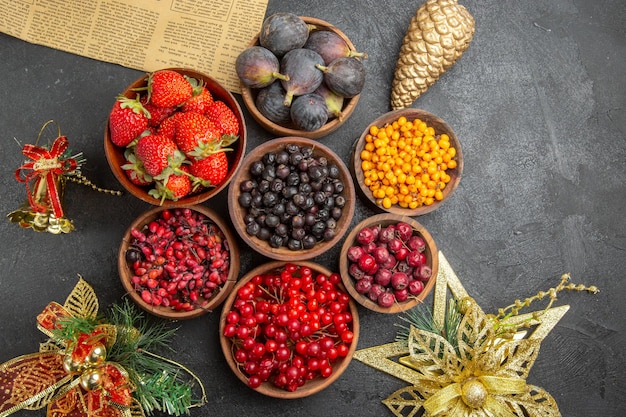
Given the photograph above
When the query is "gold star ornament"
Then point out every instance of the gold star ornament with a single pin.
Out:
(461, 362)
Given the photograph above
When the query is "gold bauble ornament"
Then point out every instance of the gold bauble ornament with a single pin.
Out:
(438, 34)
(474, 393)
(96, 356)
(91, 379)
(69, 365)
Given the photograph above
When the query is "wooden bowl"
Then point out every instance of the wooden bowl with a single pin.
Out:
(384, 220)
(219, 295)
(440, 127)
(115, 154)
(237, 213)
(249, 97)
(312, 386)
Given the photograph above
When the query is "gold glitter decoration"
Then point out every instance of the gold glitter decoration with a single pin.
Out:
(83, 369)
(485, 375)
(438, 34)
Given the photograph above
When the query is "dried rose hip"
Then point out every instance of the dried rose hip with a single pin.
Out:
(179, 260)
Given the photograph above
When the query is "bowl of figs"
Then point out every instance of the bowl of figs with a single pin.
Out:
(407, 162)
(175, 137)
(292, 199)
(300, 76)
(389, 263)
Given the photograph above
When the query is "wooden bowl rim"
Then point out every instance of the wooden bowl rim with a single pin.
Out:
(115, 155)
(310, 387)
(411, 114)
(282, 253)
(386, 219)
(166, 312)
(249, 95)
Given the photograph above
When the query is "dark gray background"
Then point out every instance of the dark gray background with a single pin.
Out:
(538, 103)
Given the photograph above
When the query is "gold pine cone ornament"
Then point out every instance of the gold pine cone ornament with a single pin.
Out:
(438, 34)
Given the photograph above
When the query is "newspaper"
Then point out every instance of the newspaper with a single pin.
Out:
(204, 35)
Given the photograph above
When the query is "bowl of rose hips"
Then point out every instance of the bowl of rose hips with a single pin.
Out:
(178, 262)
(389, 263)
(175, 137)
(300, 76)
(289, 330)
(292, 199)
(407, 162)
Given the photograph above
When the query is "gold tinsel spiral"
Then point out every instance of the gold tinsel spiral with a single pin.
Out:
(438, 34)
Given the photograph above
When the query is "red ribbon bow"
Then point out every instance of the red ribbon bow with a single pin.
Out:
(46, 165)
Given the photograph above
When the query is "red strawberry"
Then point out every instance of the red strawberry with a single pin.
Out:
(157, 114)
(223, 117)
(167, 88)
(175, 184)
(157, 152)
(210, 171)
(199, 103)
(134, 169)
(194, 130)
(167, 127)
(127, 120)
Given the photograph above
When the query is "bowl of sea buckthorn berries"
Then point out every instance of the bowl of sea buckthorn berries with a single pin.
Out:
(178, 262)
(389, 263)
(407, 162)
(289, 329)
(292, 199)
(175, 137)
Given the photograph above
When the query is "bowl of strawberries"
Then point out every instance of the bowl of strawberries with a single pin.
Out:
(175, 136)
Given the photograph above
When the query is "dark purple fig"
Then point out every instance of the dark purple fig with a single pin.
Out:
(301, 66)
(345, 76)
(282, 32)
(308, 112)
(269, 102)
(334, 102)
(258, 67)
(330, 46)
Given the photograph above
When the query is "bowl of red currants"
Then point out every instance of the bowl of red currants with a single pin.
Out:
(407, 162)
(389, 263)
(178, 262)
(175, 137)
(289, 330)
(300, 76)
(292, 199)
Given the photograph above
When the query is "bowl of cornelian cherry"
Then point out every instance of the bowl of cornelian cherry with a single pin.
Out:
(175, 136)
(289, 329)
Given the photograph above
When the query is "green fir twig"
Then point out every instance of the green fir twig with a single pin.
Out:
(422, 319)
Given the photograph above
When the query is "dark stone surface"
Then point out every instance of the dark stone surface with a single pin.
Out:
(538, 102)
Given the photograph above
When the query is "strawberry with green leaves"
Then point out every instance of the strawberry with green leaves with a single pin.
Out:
(134, 169)
(172, 184)
(200, 101)
(194, 131)
(223, 117)
(167, 88)
(210, 171)
(158, 152)
(128, 119)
